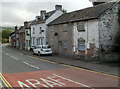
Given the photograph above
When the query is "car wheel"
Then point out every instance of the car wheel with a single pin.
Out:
(39, 53)
(34, 54)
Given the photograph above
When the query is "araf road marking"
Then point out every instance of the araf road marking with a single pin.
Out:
(73, 81)
(52, 81)
(15, 58)
(31, 65)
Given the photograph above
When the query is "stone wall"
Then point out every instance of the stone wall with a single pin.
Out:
(108, 28)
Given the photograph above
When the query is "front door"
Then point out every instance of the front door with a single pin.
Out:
(59, 47)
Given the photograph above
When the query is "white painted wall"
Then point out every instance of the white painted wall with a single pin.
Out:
(37, 32)
(90, 34)
(27, 39)
(44, 27)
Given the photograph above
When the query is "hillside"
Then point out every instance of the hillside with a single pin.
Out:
(6, 28)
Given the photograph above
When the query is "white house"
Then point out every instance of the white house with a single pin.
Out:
(39, 25)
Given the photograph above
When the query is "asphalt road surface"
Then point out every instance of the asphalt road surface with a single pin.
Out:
(25, 71)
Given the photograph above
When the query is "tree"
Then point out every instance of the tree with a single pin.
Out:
(5, 35)
(64, 11)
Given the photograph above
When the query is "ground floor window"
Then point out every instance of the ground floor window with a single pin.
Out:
(40, 41)
(81, 44)
(33, 41)
(65, 44)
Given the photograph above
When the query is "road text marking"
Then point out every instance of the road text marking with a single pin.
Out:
(51, 81)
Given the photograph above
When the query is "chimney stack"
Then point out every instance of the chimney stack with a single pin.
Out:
(16, 28)
(25, 24)
(58, 7)
(43, 12)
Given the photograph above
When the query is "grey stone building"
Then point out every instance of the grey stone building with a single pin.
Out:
(86, 32)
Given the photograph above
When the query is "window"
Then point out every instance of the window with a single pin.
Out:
(81, 26)
(64, 44)
(38, 41)
(52, 29)
(41, 30)
(64, 27)
(33, 30)
(33, 41)
(41, 41)
(81, 44)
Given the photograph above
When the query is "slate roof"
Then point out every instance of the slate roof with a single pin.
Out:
(11, 33)
(47, 15)
(21, 29)
(83, 14)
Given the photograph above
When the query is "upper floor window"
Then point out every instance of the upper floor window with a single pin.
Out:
(33, 30)
(41, 30)
(52, 29)
(81, 26)
(81, 44)
(65, 27)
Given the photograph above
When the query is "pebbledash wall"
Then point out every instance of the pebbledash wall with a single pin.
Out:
(91, 37)
(108, 28)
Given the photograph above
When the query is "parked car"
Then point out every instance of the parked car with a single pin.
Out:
(42, 49)
(33, 47)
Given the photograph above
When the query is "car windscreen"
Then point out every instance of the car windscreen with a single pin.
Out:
(46, 47)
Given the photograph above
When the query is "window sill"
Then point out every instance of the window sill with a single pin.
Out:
(81, 30)
(81, 50)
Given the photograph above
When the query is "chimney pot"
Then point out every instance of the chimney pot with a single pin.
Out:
(58, 7)
(26, 24)
(43, 12)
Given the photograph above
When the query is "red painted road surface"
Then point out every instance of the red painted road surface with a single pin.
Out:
(69, 77)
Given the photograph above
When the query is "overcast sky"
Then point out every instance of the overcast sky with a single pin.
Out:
(15, 12)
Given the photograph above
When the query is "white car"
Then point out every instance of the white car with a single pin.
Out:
(42, 49)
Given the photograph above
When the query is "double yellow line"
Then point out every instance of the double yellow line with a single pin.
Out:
(102, 73)
(6, 83)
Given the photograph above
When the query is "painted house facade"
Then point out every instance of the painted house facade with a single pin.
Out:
(39, 25)
(21, 38)
(27, 35)
(12, 40)
(86, 32)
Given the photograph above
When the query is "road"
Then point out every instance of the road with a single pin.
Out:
(25, 71)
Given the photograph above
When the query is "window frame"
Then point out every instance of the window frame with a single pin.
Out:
(65, 44)
(81, 44)
(33, 31)
(81, 26)
(65, 27)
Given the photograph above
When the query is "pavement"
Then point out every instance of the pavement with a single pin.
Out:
(108, 67)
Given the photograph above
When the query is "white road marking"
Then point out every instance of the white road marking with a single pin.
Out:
(14, 58)
(74, 81)
(6, 53)
(31, 65)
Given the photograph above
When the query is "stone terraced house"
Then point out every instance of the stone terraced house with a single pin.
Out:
(86, 32)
